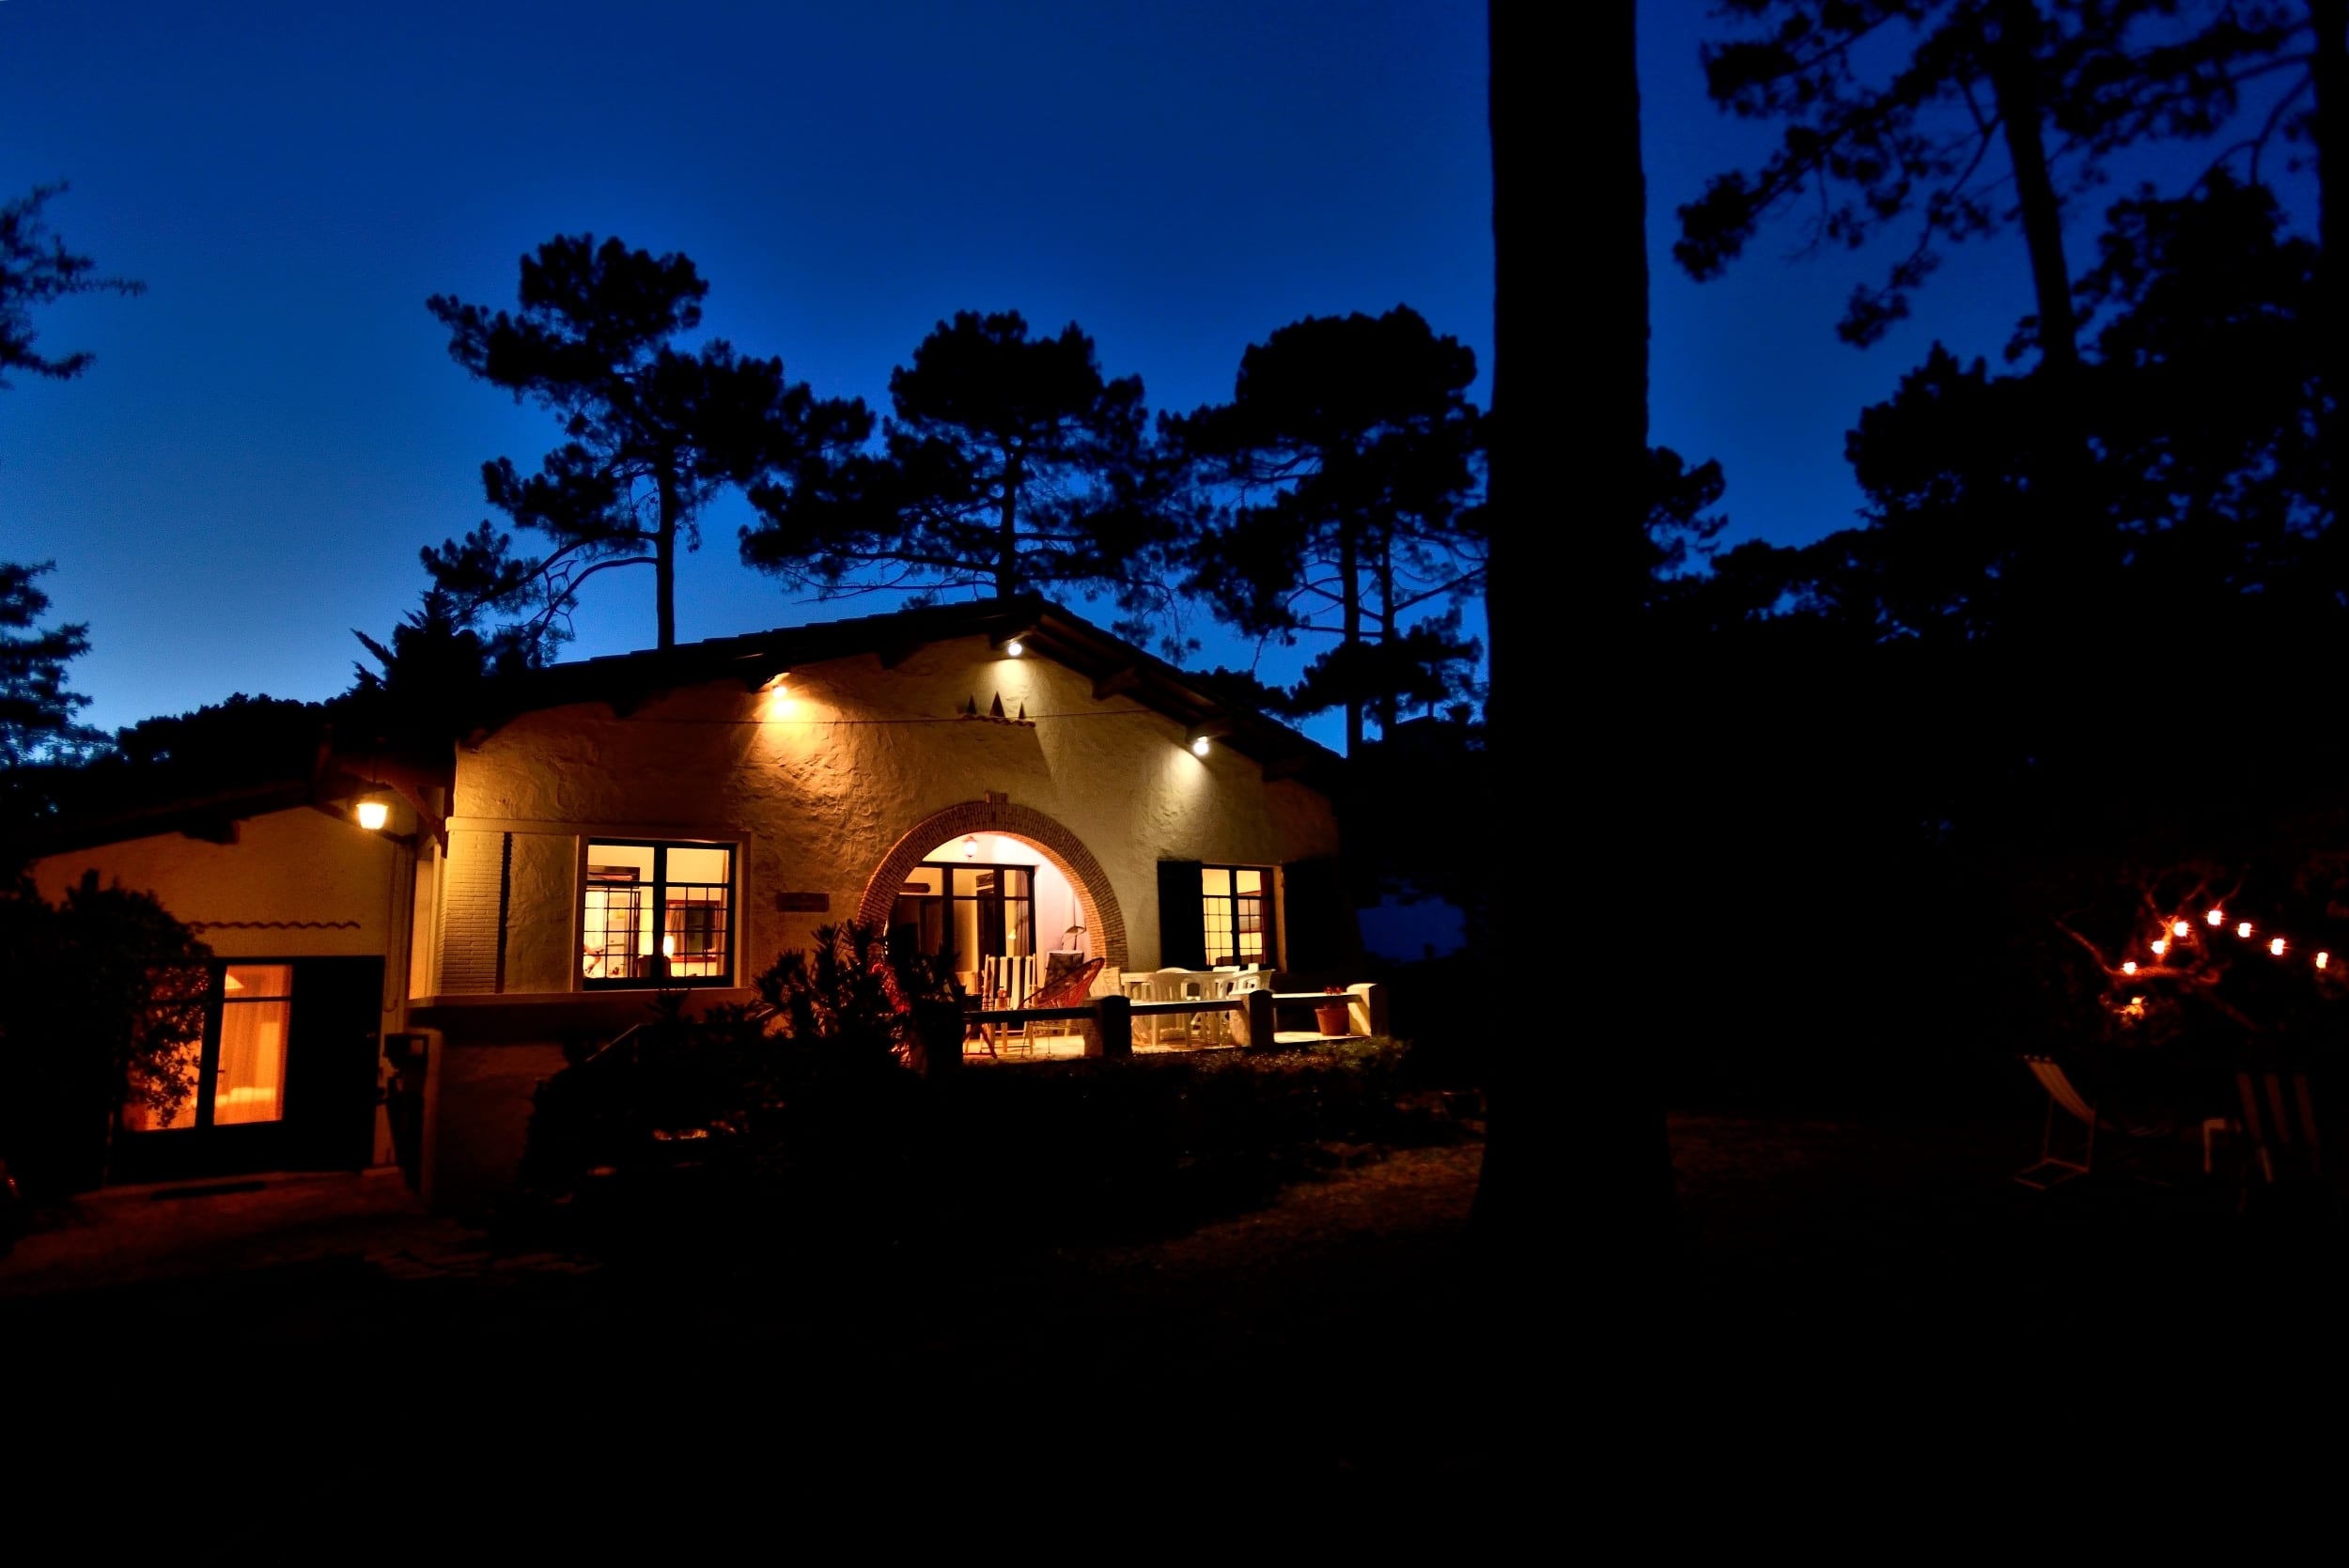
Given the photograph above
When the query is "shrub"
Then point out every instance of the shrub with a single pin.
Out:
(741, 1094)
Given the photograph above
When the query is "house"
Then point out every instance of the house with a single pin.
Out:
(996, 778)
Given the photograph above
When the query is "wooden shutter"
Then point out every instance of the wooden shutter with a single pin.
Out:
(1182, 921)
(1323, 937)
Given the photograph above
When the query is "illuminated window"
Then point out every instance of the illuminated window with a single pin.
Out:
(1237, 909)
(236, 1072)
(657, 914)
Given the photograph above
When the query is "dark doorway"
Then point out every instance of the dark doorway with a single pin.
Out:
(965, 911)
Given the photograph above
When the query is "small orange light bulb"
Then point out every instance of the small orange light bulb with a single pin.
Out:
(2129, 967)
(2181, 929)
(2160, 947)
(2276, 947)
(2323, 959)
(2216, 916)
(2243, 928)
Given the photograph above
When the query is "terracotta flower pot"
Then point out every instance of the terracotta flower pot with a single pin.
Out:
(1330, 1016)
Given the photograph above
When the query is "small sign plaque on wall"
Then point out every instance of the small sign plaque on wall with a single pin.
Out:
(803, 903)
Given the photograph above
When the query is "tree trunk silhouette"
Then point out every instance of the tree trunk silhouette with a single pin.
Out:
(1007, 531)
(2328, 69)
(664, 559)
(2012, 83)
(1552, 618)
(1350, 630)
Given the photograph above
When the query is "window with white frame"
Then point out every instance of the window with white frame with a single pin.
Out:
(656, 913)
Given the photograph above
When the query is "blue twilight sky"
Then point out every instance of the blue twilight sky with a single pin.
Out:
(275, 427)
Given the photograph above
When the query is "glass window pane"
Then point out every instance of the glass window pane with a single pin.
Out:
(251, 1085)
(610, 932)
(252, 982)
(1249, 881)
(1215, 882)
(187, 1058)
(699, 863)
(926, 879)
(619, 863)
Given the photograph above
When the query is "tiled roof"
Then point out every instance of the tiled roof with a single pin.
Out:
(1049, 630)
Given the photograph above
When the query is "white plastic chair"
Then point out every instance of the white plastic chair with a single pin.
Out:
(1174, 984)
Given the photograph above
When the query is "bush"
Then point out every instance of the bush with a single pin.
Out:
(811, 1082)
(99, 994)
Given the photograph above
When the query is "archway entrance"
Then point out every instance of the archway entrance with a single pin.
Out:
(990, 880)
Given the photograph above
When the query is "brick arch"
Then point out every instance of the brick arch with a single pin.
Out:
(1104, 922)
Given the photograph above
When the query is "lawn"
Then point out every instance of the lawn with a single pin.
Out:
(1869, 1286)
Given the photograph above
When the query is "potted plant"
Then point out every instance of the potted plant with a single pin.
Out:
(1330, 1016)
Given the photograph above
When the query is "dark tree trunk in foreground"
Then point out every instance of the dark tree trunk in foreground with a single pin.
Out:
(1578, 1177)
(2022, 121)
(2328, 69)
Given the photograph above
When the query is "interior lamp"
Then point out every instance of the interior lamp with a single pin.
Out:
(373, 812)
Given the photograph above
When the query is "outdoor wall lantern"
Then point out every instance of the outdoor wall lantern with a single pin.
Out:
(970, 847)
(1200, 733)
(1015, 647)
(374, 811)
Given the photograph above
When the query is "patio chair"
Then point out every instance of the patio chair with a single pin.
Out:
(1071, 989)
(2056, 1164)
(2280, 1138)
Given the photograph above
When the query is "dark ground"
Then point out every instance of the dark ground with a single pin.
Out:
(1864, 1308)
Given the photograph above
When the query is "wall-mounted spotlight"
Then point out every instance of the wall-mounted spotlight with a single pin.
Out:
(1199, 746)
(1015, 647)
(1197, 736)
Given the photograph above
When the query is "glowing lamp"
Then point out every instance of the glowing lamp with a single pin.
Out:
(2276, 947)
(2243, 928)
(2160, 947)
(2323, 959)
(668, 947)
(1199, 746)
(2129, 967)
(1015, 647)
(2216, 916)
(970, 847)
(374, 811)
(2180, 929)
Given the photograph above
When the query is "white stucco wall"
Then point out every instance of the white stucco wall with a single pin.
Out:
(820, 781)
(296, 884)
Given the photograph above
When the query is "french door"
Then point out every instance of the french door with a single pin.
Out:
(283, 1079)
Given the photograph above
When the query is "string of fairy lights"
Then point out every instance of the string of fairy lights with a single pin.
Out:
(2178, 934)
(2181, 929)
